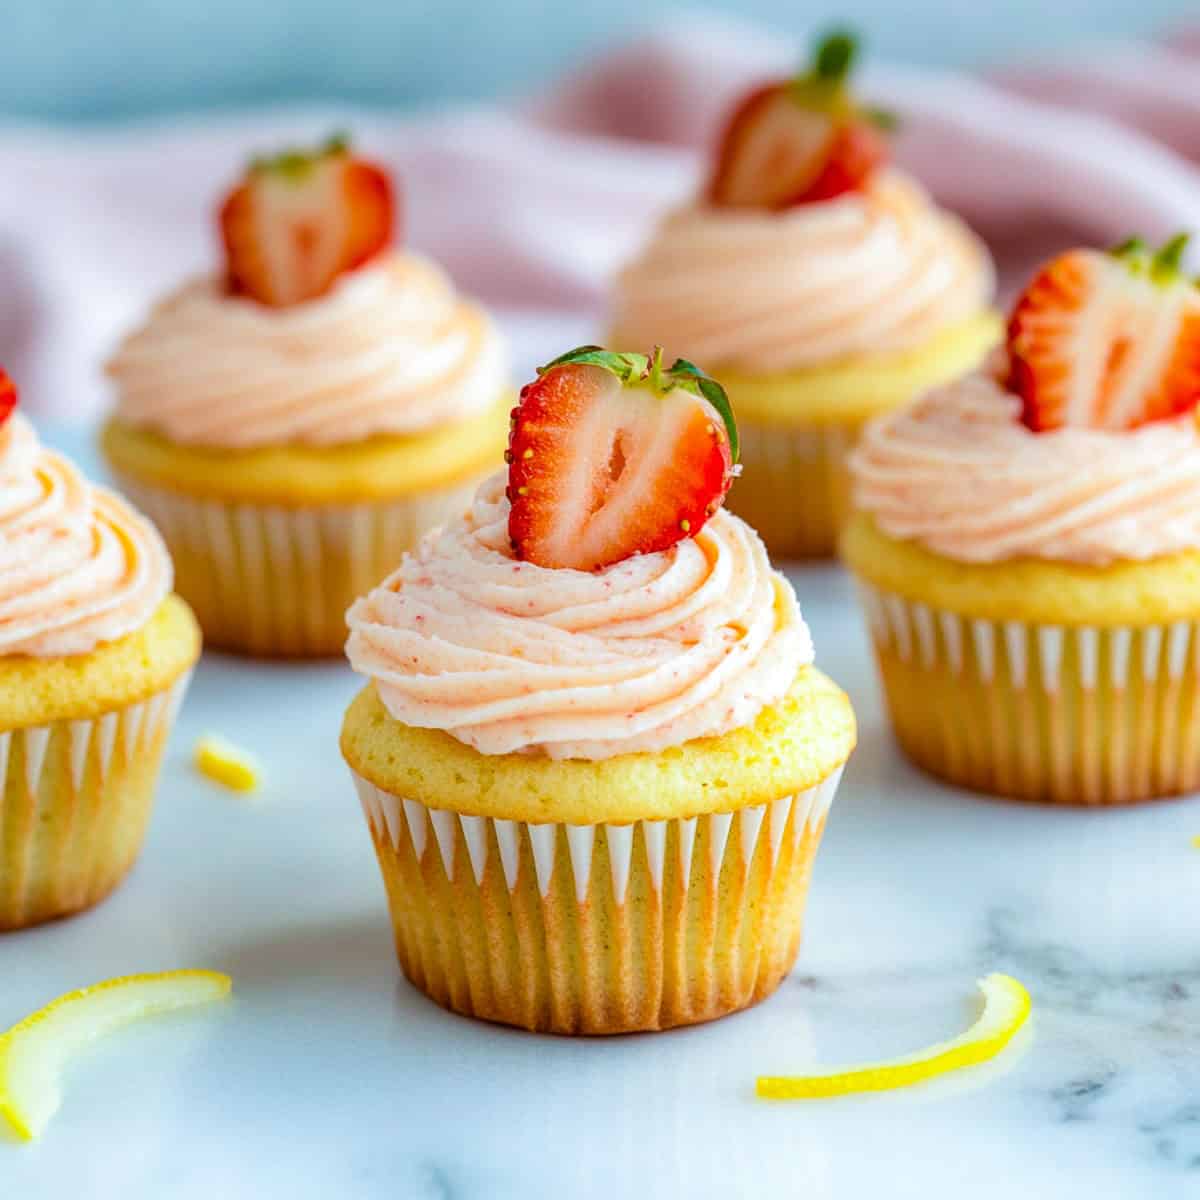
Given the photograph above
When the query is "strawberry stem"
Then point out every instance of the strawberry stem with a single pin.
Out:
(1168, 260)
(654, 373)
(295, 163)
(824, 87)
(834, 56)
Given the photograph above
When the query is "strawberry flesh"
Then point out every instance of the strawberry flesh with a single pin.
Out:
(601, 469)
(297, 223)
(1105, 341)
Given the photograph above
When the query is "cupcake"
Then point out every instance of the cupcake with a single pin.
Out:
(95, 654)
(297, 422)
(1028, 545)
(822, 287)
(594, 754)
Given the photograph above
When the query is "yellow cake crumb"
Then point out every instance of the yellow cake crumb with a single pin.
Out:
(227, 764)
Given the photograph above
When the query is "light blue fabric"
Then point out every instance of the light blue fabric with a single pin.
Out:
(91, 60)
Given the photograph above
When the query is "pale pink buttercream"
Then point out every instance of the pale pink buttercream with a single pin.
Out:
(961, 474)
(78, 567)
(869, 273)
(392, 349)
(510, 657)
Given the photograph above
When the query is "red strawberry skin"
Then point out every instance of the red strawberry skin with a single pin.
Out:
(1098, 340)
(600, 470)
(8, 397)
(856, 151)
(291, 231)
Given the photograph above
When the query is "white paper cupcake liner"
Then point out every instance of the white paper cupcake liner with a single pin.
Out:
(74, 805)
(1082, 714)
(276, 580)
(795, 491)
(597, 928)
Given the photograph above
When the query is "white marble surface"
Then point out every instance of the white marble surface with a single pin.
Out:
(328, 1077)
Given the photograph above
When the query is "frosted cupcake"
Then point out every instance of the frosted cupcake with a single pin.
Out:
(95, 654)
(594, 754)
(822, 287)
(1028, 545)
(297, 422)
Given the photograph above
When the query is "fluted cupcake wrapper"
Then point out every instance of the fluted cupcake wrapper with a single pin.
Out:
(276, 580)
(1088, 714)
(594, 929)
(795, 490)
(74, 806)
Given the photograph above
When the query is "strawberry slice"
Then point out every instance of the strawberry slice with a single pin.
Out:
(8, 397)
(799, 141)
(300, 220)
(772, 150)
(1107, 340)
(612, 455)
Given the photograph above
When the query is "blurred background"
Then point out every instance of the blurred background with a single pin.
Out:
(536, 143)
(82, 61)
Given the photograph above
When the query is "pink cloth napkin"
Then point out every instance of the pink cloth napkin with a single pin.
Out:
(534, 206)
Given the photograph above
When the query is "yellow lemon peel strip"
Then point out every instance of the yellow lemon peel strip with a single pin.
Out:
(226, 764)
(1196, 839)
(34, 1052)
(1006, 1007)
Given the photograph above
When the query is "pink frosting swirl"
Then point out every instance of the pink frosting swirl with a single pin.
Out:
(863, 274)
(78, 567)
(510, 657)
(960, 473)
(391, 350)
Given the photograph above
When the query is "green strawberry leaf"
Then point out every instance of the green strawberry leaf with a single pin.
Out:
(687, 375)
(834, 56)
(295, 163)
(1167, 262)
(1132, 249)
(825, 86)
(1163, 266)
(625, 367)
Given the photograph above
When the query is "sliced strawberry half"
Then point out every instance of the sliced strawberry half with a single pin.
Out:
(772, 150)
(612, 455)
(1107, 340)
(299, 220)
(8, 397)
(801, 140)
